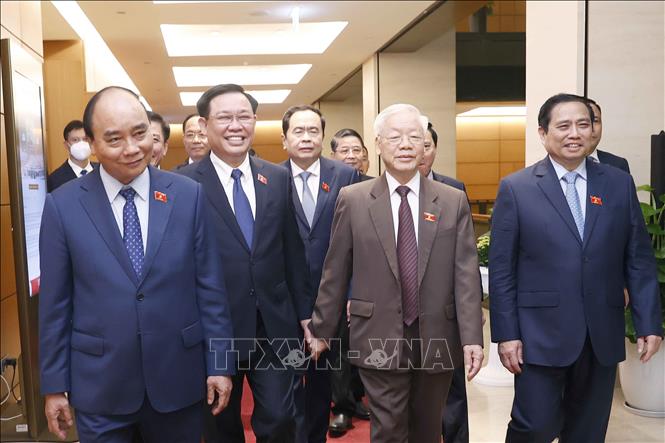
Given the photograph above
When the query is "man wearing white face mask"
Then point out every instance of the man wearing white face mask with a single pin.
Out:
(78, 163)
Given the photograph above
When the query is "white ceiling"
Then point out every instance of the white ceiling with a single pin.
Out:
(131, 29)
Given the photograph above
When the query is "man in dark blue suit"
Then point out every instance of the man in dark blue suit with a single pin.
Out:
(597, 133)
(567, 237)
(455, 423)
(77, 163)
(316, 183)
(133, 314)
(251, 206)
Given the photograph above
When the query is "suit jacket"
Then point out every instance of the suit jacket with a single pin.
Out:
(334, 175)
(364, 177)
(107, 337)
(448, 181)
(62, 175)
(363, 246)
(270, 277)
(548, 287)
(181, 165)
(614, 160)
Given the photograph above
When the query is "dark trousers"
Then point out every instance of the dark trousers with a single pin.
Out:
(272, 389)
(312, 401)
(455, 412)
(406, 406)
(347, 388)
(181, 426)
(571, 402)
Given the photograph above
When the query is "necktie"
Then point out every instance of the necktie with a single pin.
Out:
(308, 205)
(574, 201)
(83, 172)
(242, 208)
(407, 258)
(131, 235)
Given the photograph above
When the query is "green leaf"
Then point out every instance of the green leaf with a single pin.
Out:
(647, 210)
(662, 199)
(646, 188)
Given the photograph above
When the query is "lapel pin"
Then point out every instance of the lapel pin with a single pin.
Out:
(429, 217)
(325, 187)
(160, 196)
(596, 200)
(262, 179)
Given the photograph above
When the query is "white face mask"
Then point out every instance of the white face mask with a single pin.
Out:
(80, 150)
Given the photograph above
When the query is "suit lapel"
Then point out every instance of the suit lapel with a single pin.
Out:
(426, 227)
(327, 171)
(549, 184)
(595, 186)
(261, 191)
(300, 214)
(96, 204)
(382, 217)
(217, 197)
(158, 218)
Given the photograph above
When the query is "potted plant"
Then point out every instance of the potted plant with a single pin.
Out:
(643, 384)
(483, 246)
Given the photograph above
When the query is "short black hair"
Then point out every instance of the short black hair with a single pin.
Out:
(90, 108)
(166, 130)
(71, 126)
(435, 136)
(203, 105)
(286, 119)
(346, 132)
(184, 122)
(545, 113)
(593, 102)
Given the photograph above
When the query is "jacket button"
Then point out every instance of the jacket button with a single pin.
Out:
(252, 293)
(140, 297)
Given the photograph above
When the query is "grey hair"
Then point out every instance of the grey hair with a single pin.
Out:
(394, 109)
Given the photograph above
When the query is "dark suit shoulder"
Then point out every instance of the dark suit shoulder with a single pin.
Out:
(448, 181)
(175, 178)
(613, 160)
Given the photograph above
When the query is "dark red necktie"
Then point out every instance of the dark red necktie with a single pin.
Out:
(407, 257)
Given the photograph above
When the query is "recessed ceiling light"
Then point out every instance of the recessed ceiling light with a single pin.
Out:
(495, 111)
(266, 97)
(266, 38)
(241, 75)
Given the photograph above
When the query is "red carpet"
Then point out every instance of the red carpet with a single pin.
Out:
(359, 433)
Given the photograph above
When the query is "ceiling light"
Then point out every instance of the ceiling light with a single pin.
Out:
(102, 69)
(241, 75)
(495, 111)
(295, 19)
(266, 38)
(266, 97)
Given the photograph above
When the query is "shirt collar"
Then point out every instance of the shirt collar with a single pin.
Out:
(594, 156)
(561, 171)
(141, 184)
(77, 169)
(225, 169)
(314, 169)
(413, 184)
(430, 175)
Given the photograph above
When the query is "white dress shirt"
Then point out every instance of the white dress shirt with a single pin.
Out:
(141, 185)
(412, 197)
(594, 156)
(580, 183)
(246, 180)
(313, 182)
(77, 169)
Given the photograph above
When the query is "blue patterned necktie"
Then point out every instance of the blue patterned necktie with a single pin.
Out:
(308, 205)
(131, 231)
(573, 200)
(242, 208)
(83, 172)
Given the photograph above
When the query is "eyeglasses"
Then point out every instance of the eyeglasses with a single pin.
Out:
(226, 120)
(395, 140)
(192, 136)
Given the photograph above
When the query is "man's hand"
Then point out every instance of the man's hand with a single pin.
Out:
(348, 312)
(652, 342)
(473, 360)
(316, 347)
(222, 385)
(510, 353)
(306, 331)
(58, 414)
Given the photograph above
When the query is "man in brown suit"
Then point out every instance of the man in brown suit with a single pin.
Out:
(408, 242)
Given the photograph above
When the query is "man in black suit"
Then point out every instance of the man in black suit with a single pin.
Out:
(455, 414)
(195, 140)
(160, 132)
(78, 163)
(316, 183)
(251, 207)
(347, 146)
(597, 132)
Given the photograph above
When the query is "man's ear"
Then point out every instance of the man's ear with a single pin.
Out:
(542, 133)
(166, 148)
(283, 141)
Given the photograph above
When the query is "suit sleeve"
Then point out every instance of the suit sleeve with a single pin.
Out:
(55, 302)
(211, 295)
(503, 266)
(467, 302)
(641, 273)
(337, 269)
(295, 260)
